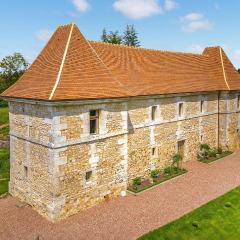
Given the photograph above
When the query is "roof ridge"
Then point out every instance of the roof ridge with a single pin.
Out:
(62, 63)
(223, 68)
(142, 49)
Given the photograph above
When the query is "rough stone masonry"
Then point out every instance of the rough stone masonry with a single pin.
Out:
(52, 149)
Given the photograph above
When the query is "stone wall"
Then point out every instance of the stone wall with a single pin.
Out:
(54, 145)
(30, 136)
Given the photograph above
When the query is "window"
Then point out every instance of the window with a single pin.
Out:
(154, 112)
(238, 102)
(25, 172)
(88, 176)
(94, 119)
(154, 151)
(201, 106)
(180, 109)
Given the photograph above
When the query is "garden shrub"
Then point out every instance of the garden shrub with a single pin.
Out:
(177, 158)
(154, 173)
(207, 152)
(205, 146)
(137, 181)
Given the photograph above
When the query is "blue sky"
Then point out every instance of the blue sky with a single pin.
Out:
(176, 25)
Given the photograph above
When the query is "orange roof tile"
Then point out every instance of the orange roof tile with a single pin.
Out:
(72, 68)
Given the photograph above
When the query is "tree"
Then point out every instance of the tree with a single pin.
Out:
(104, 36)
(13, 64)
(11, 69)
(130, 37)
(114, 38)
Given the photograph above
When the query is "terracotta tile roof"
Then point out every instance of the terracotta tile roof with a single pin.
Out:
(71, 68)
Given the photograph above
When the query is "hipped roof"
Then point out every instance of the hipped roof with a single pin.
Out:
(72, 68)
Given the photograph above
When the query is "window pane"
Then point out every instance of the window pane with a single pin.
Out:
(180, 110)
(93, 126)
(93, 113)
(201, 107)
(154, 110)
(88, 175)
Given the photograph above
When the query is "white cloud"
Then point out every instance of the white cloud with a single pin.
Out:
(170, 5)
(81, 5)
(192, 17)
(198, 25)
(43, 35)
(137, 9)
(195, 21)
(196, 48)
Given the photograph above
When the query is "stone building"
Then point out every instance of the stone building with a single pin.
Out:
(88, 117)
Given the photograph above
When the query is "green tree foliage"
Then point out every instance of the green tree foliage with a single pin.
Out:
(130, 37)
(114, 38)
(11, 69)
(104, 36)
(111, 37)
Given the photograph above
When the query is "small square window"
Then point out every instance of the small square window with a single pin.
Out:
(88, 176)
(154, 113)
(94, 120)
(25, 172)
(180, 109)
(154, 152)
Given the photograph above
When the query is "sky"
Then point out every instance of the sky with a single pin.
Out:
(175, 25)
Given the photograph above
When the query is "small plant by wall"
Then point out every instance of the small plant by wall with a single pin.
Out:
(158, 176)
(207, 154)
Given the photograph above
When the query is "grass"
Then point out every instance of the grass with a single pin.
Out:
(216, 220)
(3, 115)
(4, 132)
(3, 187)
(4, 169)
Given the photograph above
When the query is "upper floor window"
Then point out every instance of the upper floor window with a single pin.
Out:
(94, 121)
(202, 103)
(180, 109)
(154, 113)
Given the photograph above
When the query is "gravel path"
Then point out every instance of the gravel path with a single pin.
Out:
(129, 217)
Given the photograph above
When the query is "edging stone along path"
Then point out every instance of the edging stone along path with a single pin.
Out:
(129, 217)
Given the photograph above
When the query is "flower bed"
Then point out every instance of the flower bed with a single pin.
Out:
(157, 177)
(207, 154)
(218, 156)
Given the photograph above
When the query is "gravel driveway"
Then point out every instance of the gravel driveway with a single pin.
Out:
(131, 216)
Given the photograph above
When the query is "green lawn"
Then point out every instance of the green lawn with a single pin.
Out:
(4, 132)
(217, 220)
(4, 169)
(3, 115)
